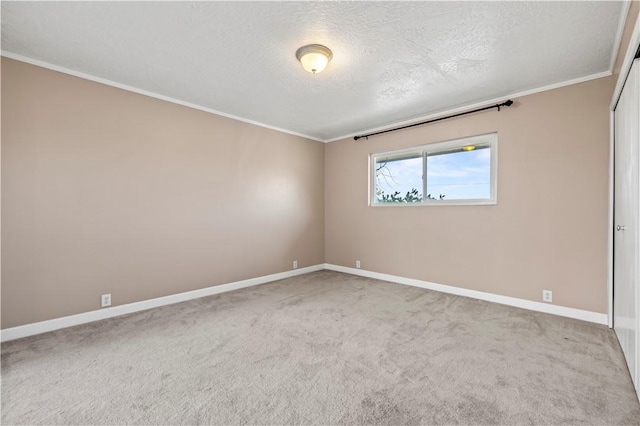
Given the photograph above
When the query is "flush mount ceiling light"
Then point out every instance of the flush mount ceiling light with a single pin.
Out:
(314, 57)
(468, 148)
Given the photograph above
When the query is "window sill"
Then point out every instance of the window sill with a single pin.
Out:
(439, 203)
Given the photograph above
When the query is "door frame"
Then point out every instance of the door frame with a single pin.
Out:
(632, 48)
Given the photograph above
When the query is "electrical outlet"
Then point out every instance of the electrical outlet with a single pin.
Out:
(295, 264)
(105, 300)
(358, 264)
(547, 296)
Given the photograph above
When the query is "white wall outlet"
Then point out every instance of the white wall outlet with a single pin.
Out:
(105, 300)
(295, 264)
(358, 264)
(547, 296)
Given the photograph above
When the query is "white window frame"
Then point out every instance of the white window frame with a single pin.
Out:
(490, 139)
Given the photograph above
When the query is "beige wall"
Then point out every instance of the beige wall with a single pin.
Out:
(107, 191)
(548, 230)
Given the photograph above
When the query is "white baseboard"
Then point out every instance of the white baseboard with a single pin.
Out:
(86, 317)
(91, 316)
(496, 298)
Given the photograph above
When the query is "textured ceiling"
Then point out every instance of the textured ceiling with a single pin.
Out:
(392, 61)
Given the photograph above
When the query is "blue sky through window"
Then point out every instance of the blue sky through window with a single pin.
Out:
(456, 175)
(400, 175)
(460, 175)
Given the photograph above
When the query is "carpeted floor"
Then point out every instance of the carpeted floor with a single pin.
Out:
(322, 348)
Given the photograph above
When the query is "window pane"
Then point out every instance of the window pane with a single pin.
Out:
(398, 179)
(459, 174)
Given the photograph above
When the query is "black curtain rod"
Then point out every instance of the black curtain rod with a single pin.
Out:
(504, 104)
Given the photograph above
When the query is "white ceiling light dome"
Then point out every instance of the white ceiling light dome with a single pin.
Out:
(314, 57)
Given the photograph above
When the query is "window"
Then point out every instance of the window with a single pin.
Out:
(461, 171)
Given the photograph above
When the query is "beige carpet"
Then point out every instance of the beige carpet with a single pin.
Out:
(322, 348)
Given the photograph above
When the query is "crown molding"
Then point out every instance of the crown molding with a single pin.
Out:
(128, 88)
(430, 116)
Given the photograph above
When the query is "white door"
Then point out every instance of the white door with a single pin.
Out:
(626, 283)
